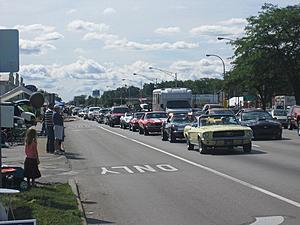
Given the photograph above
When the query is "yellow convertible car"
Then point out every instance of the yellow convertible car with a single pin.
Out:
(212, 131)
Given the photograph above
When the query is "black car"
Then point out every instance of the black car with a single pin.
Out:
(173, 127)
(261, 122)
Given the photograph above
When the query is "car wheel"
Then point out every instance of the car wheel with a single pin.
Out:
(164, 136)
(247, 147)
(141, 131)
(290, 125)
(203, 148)
(133, 129)
(298, 128)
(189, 145)
(279, 136)
(23, 185)
(172, 138)
(129, 127)
(146, 132)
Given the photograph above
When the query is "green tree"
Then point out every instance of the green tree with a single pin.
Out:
(267, 58)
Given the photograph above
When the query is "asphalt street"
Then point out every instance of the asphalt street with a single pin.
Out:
(127, 178)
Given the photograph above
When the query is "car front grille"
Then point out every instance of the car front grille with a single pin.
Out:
(233, 133)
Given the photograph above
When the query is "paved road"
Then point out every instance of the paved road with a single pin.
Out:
(127, 178)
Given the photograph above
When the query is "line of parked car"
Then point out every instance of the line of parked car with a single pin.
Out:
(211, 127)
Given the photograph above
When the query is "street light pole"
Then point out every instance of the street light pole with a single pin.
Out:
(166, 72)
(224, 71)
(142, 75)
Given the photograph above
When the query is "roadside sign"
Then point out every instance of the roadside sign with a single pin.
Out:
(9, 50)
(19, 222)
(7, 112)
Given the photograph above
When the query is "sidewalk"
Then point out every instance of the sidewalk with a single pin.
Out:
(54, 168)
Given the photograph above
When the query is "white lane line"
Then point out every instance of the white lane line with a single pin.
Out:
(257, 146)
(272, 194)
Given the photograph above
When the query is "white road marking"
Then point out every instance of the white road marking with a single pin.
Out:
(254, 187)
(274, 220)
(138, 169)
(257, 146)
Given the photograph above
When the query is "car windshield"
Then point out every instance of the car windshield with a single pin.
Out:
(138, 115)
(120, 110)
(178, 104)
(221, 112)
(94, 109)
(183, 120)
(256, 115)
(280, 113)
(156, 115)
(218, 120)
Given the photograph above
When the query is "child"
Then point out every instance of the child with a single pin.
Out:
(31, 170)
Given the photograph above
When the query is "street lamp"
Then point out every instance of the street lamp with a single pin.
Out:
(166, 72)
(142, 75)
(225, 38)
(209, 55)
(224, 72)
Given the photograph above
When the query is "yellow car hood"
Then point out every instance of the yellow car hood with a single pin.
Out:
(223, 128)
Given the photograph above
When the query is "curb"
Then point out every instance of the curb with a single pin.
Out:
(75, 190)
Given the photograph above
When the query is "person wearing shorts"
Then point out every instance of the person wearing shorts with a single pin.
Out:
(58, 129)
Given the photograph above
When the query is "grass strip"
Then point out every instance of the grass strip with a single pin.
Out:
(49, 204)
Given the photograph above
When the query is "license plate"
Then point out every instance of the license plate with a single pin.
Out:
(228, 142)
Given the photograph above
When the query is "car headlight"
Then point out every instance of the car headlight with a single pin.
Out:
(174, 127)
(206, 135)
(249, 133)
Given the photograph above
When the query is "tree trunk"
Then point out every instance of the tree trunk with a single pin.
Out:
(297, 93)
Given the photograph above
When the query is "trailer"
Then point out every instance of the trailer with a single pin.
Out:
(177, 100)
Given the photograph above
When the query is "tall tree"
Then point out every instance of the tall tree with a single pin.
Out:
(268, 57)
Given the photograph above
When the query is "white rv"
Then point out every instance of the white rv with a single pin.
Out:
(177, 100)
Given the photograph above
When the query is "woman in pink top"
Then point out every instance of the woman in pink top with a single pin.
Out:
(31, 170)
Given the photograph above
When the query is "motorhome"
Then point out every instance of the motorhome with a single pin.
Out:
(176, 100)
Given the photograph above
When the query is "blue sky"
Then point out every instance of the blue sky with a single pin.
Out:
(73, 47)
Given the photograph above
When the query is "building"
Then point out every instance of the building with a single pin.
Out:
(12, 88)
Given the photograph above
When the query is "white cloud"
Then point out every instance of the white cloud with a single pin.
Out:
(204, 68)
(167, 30)
(81, 69)
(109, 11)
(99, 36)
(28, 47)
(34, 28)
(234, 21)
(79, 51)
(131, 45)
(84, 75)
(49, 37)
(71, 11)
(81, 25)
(216, 30)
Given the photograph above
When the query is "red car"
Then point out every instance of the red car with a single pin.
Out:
(151, 122)
(134, 122)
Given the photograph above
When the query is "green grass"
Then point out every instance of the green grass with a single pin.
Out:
(49, 204)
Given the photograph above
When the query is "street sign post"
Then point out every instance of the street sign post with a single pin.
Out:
(9, 62)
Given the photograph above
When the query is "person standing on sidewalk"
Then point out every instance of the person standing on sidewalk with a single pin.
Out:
(58, 122)
(49, 127)
(31, 170)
